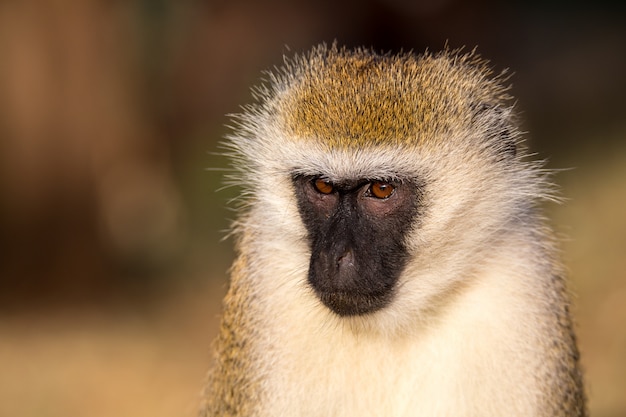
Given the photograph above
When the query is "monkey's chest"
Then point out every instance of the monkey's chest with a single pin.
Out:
(351, 379)
(444, 375)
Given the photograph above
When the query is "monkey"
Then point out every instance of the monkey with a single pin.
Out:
(392, 256)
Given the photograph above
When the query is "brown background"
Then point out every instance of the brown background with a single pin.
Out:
(111, 264)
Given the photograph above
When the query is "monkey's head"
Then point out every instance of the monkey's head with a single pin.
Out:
(380, 180)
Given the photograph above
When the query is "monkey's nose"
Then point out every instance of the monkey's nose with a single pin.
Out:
(346, 260)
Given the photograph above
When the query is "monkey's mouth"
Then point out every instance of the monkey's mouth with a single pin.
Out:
(352, 285)
(346, 303)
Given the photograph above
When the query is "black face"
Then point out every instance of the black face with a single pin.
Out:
(357, 235)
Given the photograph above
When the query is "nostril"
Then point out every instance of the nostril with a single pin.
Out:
(346, 260)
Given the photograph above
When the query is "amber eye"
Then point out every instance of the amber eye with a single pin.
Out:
(381, 190)
(324, 187)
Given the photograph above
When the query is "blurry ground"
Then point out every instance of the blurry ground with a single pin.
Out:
(107, 362)
(111, 265)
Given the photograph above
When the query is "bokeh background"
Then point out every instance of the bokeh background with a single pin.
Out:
(112, 263)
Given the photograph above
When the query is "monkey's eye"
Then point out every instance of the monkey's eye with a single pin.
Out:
(323, 186)
(381, 189)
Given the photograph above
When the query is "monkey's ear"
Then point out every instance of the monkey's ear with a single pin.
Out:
(496, 121)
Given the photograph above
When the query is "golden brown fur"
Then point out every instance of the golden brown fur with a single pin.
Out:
(355, 98)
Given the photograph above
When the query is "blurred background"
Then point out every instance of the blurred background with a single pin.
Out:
(112, 263)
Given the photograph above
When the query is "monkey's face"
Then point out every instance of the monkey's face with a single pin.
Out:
(356, 234)
(392, 178)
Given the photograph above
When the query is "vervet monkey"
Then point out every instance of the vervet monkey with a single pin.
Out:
(392, 259)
